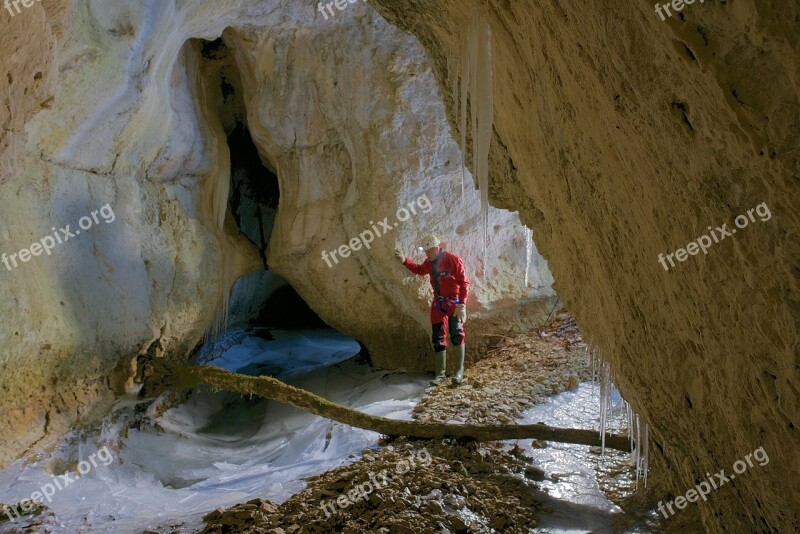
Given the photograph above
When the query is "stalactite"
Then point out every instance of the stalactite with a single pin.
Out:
(477, 87)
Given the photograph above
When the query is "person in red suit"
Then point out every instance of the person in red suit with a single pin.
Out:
(449, 306)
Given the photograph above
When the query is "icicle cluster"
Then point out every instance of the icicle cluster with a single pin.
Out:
(477, 88)
(453, 69)
(220, 325)
(640, 453)
(638, 431)
(218, 205)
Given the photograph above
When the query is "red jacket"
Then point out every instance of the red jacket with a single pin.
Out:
(452, 280)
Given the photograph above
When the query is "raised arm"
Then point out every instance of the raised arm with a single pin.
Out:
(418, 268)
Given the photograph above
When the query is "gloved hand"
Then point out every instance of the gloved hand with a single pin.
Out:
(399, 255)
(461, 312)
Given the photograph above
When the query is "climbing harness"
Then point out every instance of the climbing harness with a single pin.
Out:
(445, 304)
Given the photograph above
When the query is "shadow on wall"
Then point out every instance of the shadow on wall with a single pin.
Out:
(98, 268)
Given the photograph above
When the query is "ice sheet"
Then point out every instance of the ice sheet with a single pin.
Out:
(219, 449)
(578, 503)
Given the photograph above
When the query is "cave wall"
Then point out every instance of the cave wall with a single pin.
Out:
(619, 136)
(111, 103)
(113, 117)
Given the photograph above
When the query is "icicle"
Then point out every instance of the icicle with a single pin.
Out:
(606, 387)
(593, 367)
(629, 421)
(220, 201)
(638, 431)
(452, 70)
(215, 204)
(473, 88)
(645, 457)
(485, 122)
(220, 325)
(590, 363)
(464, 85)
(528, 252)
(477, 83)
(637, 451)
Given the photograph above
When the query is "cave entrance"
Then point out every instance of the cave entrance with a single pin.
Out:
(254, 193)
(268, 328)
(262, 300)
(253, 201)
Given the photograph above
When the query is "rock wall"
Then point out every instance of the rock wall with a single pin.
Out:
(101, 119)
(111, 105)
(619, 136)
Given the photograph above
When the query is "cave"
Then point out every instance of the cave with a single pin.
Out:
(620, 185)
(253, 202)
(263, 299)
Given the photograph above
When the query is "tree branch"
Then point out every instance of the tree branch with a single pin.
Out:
(274, 389)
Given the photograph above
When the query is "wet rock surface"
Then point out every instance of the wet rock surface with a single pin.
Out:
(438, 485)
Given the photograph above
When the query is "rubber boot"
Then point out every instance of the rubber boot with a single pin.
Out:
(458, 354)
(440, 360)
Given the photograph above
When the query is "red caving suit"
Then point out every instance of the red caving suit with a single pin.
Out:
(450, 287)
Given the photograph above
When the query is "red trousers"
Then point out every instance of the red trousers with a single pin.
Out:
(443, 320)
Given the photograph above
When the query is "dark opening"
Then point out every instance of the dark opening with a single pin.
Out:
(254, 193)
(253, 201)
(288, 310)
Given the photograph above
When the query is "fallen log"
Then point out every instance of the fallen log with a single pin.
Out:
(274, 389)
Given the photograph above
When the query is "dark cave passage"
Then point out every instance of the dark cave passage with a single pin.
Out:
(263, 299)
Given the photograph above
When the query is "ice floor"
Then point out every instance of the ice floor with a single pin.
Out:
(572, 487)
(217, 449)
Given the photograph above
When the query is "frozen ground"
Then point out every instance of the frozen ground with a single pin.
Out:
(217, 449)
(572, 487)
